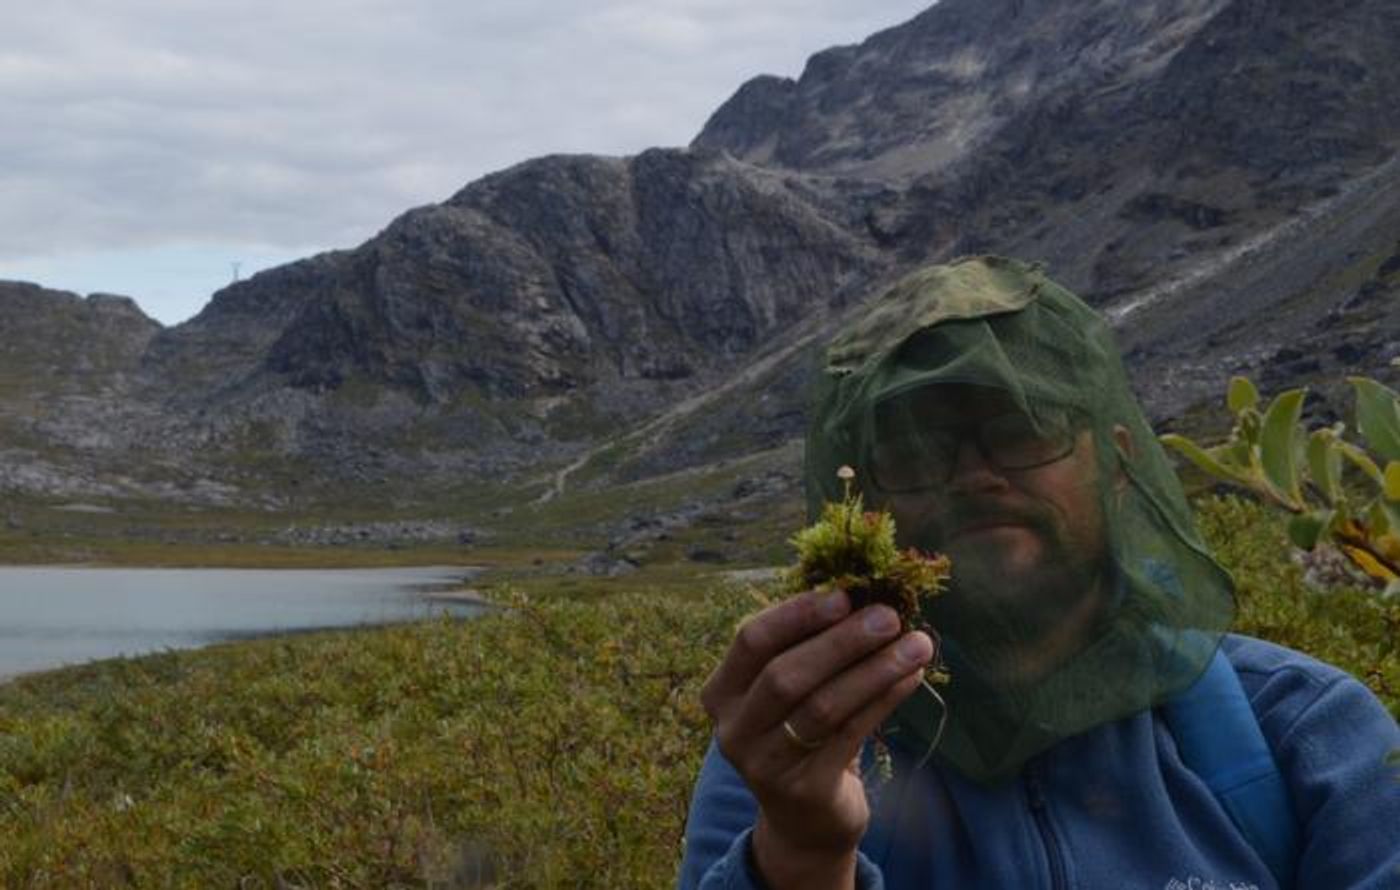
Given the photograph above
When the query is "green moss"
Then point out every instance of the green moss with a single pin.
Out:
(854, 549)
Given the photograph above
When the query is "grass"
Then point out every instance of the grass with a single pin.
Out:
(552, 744)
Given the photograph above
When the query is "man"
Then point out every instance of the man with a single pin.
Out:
(986, 408)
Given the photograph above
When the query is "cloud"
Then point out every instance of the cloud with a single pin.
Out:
(141, 123)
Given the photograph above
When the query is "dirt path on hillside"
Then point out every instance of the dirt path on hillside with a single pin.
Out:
(650, 432)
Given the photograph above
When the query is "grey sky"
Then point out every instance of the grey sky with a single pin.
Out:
(166, 140)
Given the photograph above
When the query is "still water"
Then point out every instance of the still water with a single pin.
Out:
(55, 616)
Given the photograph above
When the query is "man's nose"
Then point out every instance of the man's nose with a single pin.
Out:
(972, 471)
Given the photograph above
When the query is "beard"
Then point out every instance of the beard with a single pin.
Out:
(1022, 599)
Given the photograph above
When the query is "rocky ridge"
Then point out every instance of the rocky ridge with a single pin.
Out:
(1218, 175)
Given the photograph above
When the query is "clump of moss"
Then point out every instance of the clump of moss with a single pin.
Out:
(854, 549)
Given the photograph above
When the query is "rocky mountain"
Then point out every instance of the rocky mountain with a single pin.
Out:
(69, 344)
(66, 367)
(530, 315)
(1220, 176)
(1125, 146)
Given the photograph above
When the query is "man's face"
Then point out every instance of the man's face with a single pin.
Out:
(1014, 502)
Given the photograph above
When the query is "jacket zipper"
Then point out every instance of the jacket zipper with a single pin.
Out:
(1048, 838)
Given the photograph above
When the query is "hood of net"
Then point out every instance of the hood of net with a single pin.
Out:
(1037, 657)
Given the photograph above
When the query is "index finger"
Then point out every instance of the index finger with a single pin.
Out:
(773, 631)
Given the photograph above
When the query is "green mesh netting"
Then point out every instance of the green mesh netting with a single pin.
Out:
(987, 408)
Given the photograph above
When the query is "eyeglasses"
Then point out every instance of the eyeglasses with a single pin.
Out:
(924, 456)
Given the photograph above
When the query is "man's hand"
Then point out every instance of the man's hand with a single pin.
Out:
(801, 687)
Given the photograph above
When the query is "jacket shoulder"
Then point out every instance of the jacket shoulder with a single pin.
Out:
(1281, 683)
(1331, 738)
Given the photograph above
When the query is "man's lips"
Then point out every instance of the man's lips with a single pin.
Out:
(985, 520)
(986, 525)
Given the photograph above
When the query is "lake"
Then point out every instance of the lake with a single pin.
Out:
(52, 616)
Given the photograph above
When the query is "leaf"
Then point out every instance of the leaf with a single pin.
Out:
(1278, 445)
(1378, 518)
(1391, 484)
(1378, 416)
(1241, 395)
(1368, 564)
(1305, 528)
(1203, 458)
(1325, 464)
(1362, 460)
(1341, 516)
(1390, 511)
(1247, 423)
(1388, 546)
(1240, 452)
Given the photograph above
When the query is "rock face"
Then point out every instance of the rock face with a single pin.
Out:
(1220, 176)
(1120, 144)
(543, 306)
(565, 273)
(67, 366)
(937, 91)
(62, 342)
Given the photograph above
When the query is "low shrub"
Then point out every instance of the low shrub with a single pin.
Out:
(553, 744)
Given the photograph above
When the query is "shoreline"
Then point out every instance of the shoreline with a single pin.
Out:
(437, 590)
(466, 596)
(233, 639)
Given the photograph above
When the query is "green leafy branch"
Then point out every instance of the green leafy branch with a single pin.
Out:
(1271, 453)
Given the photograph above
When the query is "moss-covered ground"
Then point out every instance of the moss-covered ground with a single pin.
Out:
(550, 744)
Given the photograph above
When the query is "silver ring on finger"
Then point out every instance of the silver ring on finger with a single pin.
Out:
(796, 738)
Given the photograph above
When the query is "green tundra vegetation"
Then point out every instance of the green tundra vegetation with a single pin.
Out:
(1274, 455)
(553, 742)
(550, 744)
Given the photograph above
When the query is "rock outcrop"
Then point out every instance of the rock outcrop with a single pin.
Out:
(1220, 176)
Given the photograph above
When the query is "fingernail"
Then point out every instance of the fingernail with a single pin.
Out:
(881, 621)
(914, 649)
(832, 605)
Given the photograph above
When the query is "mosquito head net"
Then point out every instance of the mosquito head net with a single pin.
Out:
(987, 409)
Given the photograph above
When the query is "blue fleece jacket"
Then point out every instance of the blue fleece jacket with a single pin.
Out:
(1115, 807)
